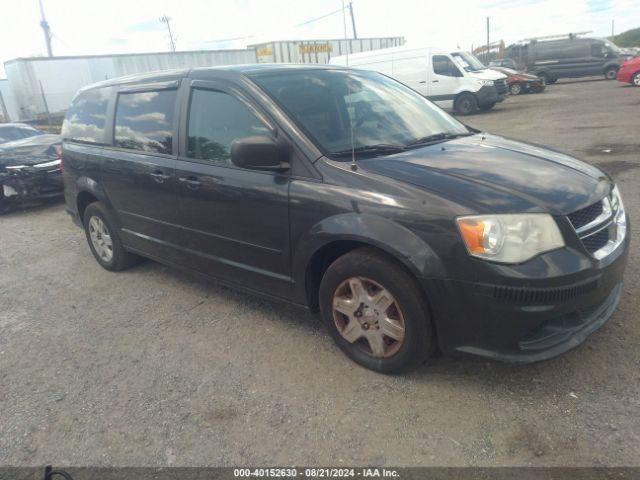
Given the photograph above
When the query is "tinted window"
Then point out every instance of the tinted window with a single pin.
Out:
(144, 121)
(86, 117)
(215, 120)
(442, 65)
(598, 50)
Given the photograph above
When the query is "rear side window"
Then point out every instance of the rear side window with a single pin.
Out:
(443, 65)
(215, 120)
(144, 121)
(85, 119)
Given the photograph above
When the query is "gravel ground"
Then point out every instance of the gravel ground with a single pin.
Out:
(152, 367)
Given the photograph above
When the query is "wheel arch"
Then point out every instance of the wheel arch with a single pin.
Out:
(89, 191)
(336, 236)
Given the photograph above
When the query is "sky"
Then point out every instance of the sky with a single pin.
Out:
(85, 27)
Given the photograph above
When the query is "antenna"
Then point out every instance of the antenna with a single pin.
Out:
(354, 166)
(167, 20)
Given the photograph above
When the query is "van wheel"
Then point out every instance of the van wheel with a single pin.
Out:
(466, 104)
(635, 80)
(611, 73)
(103, 239)
(515, 89)
(375, 312)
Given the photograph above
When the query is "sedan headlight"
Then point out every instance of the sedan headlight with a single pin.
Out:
(510, 238)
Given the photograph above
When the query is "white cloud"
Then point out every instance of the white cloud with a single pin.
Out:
(82, 27)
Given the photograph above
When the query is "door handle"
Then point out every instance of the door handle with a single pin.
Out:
(435, 81)
(191, 182)
(159, 177)
(423, 81)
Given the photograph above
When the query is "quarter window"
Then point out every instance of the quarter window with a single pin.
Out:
(215, 120)
(85, 119)
(144, 121)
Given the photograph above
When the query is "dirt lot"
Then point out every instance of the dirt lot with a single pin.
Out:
(152, 367)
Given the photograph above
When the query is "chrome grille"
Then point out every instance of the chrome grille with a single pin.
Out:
(586, 215)
(601, 226)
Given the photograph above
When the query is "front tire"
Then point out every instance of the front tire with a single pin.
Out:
(515, 89)
(635, 80)
(466, 104)
(611, 73)
(104, 241)
(376, 312)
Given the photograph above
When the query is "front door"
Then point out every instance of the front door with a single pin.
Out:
(235, 221)
(444, 80)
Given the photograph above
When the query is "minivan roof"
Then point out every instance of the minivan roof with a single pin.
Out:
(201, 72)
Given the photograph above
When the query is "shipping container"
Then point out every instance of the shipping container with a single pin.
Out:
(46, 84)
(319, 51)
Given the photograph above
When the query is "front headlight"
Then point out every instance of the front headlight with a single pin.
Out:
(485, 82)
(510, 238)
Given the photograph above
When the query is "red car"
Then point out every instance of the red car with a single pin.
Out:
(629, 72)
(520, 82)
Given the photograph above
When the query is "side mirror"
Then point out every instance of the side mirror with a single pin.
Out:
(259, 152)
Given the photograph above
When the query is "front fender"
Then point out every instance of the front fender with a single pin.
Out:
(385, 234)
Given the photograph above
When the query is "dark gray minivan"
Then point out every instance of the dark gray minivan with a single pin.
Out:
(346, 192)
(571, 56)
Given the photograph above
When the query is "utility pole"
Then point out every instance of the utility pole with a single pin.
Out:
(353, 20)
(487, 56)
(167, 20)
(46, 30)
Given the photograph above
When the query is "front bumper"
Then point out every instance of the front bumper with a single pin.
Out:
(488, 95)
(526, 320)
(30, 183)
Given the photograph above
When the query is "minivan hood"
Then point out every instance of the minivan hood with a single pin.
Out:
(487, 74)
(492, 174)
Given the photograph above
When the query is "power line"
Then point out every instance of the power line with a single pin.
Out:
(306, 22)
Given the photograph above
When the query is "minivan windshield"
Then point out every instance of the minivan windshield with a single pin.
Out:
(345, 110)
(468, 61)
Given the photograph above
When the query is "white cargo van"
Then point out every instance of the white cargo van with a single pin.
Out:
(455, 80)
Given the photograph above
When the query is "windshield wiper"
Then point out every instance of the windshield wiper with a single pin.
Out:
(435, 138)
(380, 148)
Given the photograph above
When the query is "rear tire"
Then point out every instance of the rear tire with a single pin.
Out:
(379, 296)
(465, 104)
(611, 73)
(103, 239)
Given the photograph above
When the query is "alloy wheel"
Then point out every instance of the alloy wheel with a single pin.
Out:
(367, 315)
(636, 79)
(101, 239)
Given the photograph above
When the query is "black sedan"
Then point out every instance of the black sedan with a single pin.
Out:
(30, 169)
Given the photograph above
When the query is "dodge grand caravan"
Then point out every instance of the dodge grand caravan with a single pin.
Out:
(346, 192)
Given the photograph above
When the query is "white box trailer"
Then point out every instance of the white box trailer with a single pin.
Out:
(319, 51)
(8, 106)
(49, 83)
